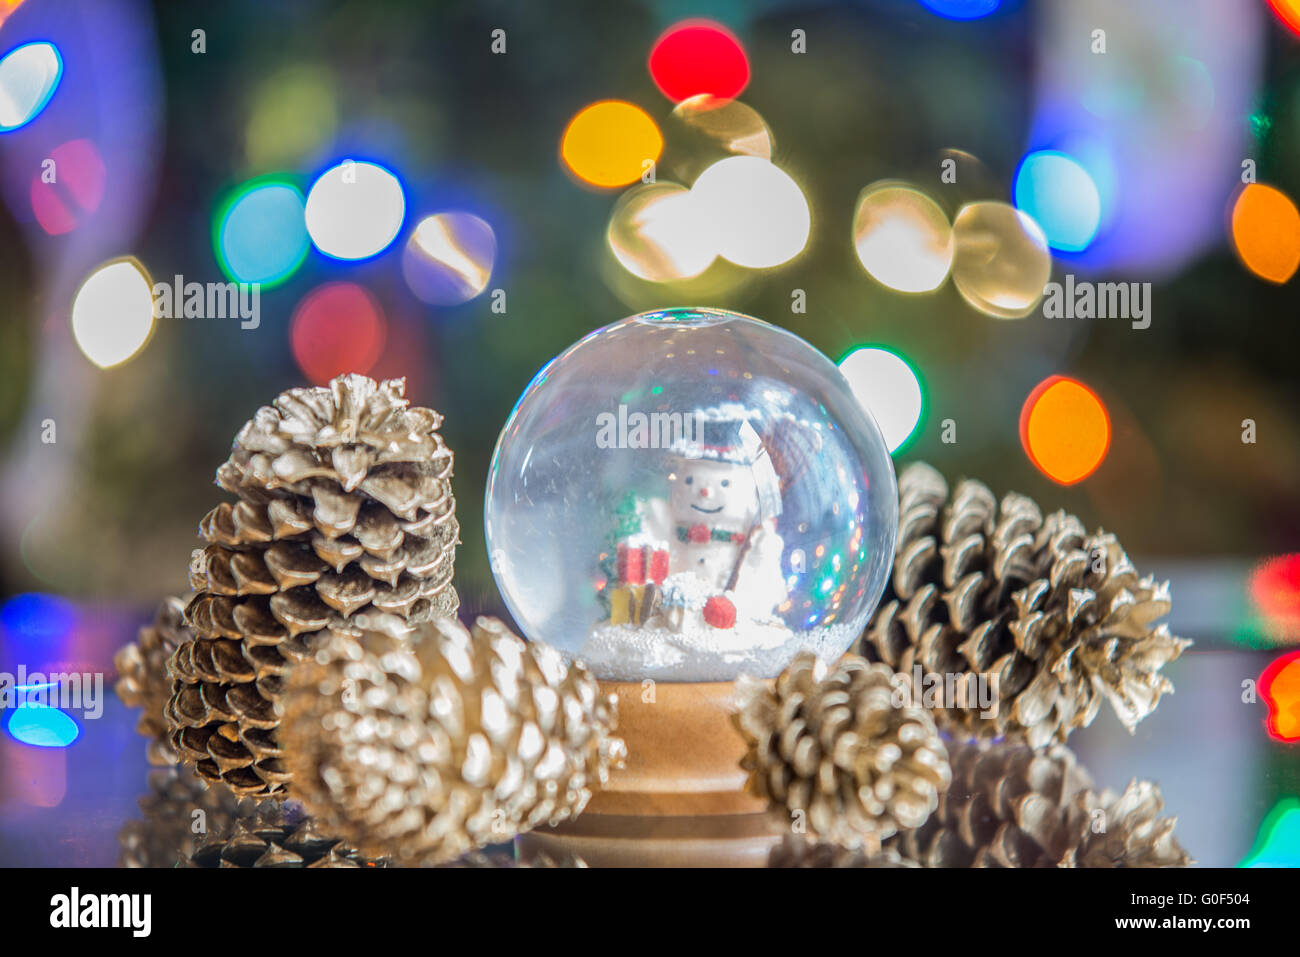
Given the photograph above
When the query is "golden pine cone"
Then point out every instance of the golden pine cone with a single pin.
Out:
(427, 747)
(166, 829)
(797, 852)
(345, 515)
(1012, 806)
(142, 678)
(832, 750)
(1058, 619)
(276, 836)
(1135, 835)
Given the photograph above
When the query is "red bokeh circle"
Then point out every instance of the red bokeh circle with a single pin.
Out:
(338, 327)
(699, 56)
(77, 189)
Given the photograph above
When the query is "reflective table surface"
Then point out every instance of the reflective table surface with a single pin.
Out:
(1205, 746)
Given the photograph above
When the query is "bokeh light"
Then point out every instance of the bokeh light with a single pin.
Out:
(7, 7)
(355, 210)
(42, 727)
(962, 9)
(1001, 260)
(77, 190)
(758, 214)
(1096, 157)
(888, 388)
(1157, 121)
(1288, 11)
(1279, 686)
(112, 314)
(1278, 842)
(609, 143)
(29, 75)
(292, 114)
(1062, 198)
(42, 618)
(658, 234)
(35, 629)
(699, 56)
(260, 232)
(1065, 429)
(1274, 588)
(1266, 232)
(449, 257)
(338, 327)
(902, 237)
(703, 129)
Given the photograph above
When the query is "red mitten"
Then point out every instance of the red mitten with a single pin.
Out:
(720, 612)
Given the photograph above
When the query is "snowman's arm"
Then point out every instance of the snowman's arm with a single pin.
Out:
(761, 568)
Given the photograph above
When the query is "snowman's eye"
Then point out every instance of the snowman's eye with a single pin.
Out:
(726, 482)
(689, 480)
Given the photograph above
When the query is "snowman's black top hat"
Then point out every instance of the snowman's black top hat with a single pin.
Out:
(729, 433)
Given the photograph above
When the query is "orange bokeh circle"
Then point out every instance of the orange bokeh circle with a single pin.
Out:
(1065, 429)
(1280, 687)
(1266, 232)
(1288, 11)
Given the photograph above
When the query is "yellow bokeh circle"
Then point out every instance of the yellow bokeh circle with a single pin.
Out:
(611, 143)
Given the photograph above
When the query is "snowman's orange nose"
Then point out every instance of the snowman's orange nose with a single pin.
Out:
(704, 492)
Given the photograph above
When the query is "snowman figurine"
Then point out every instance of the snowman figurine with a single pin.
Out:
(724, 556)
(713, 552)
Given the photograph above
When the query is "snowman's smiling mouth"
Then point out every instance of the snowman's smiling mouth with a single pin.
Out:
(707, 511)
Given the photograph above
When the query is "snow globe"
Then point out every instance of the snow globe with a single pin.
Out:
(677, 499)
(689, 495)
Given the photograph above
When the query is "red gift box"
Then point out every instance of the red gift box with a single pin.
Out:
(631, 565)
(658, 565)
(636, 563)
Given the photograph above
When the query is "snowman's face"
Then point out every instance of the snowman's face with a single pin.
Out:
(715, 493)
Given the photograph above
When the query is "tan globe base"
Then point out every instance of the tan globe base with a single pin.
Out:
(680, 801)
(617, 840)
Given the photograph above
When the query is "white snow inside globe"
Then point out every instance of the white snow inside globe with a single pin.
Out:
(691, 495)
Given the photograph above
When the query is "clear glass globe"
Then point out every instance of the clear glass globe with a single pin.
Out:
(691, 495)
